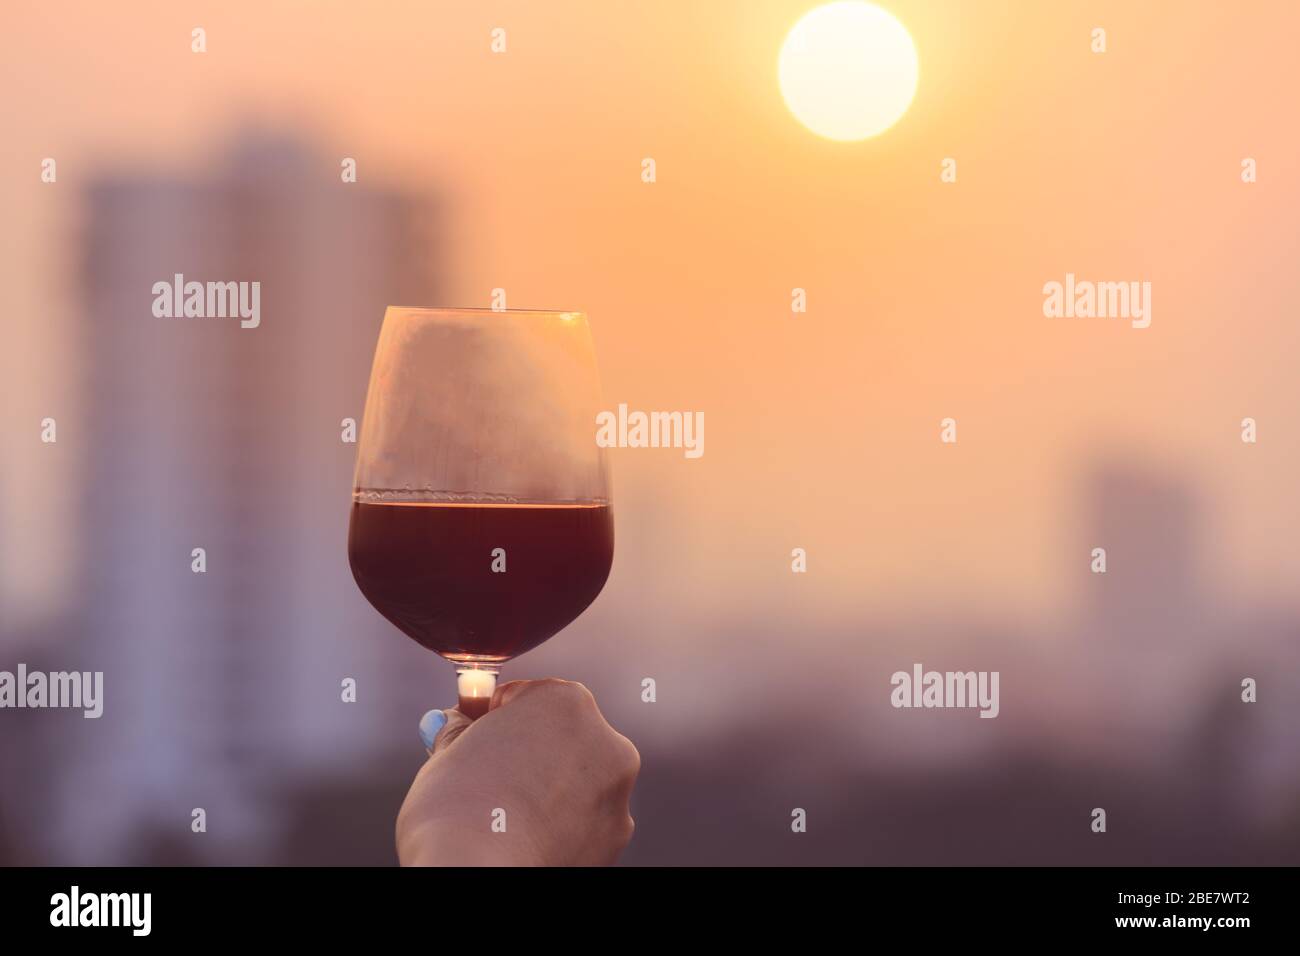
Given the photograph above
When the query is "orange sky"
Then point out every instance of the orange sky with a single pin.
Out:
(924, 299)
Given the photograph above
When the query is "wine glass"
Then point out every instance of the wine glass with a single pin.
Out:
(481, 519)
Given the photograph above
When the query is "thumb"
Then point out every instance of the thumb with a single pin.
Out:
(439, 728)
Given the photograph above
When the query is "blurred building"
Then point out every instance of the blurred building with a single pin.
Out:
(203, 434)
(1148, 522)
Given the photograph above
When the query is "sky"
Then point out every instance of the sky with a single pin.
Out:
(924, 298)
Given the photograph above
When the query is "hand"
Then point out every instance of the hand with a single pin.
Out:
(543, 764)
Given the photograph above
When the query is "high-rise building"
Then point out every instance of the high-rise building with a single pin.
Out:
(203, 434)
(1148, 524)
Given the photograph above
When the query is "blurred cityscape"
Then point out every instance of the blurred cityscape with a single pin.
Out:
(224, 687)
(206, 435)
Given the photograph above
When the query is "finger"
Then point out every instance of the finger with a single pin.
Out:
(438, 728)
(552, 687)
(508, 691)
(457, 724)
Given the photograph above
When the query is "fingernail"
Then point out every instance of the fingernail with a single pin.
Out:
(430, 724)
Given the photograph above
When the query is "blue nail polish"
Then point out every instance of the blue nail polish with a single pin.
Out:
(430, 724)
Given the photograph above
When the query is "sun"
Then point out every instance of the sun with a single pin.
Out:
(848, 70)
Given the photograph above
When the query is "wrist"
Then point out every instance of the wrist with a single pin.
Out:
(446, 843)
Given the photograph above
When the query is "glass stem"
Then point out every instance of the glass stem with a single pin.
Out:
(475, 683)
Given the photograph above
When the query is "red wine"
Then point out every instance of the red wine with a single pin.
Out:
(429, 568)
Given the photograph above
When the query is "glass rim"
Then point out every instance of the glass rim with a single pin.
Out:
(478, 310)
